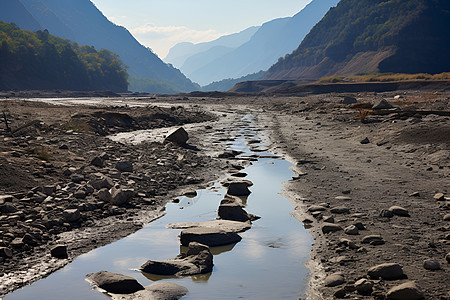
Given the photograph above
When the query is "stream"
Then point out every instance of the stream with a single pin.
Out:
(267, 264)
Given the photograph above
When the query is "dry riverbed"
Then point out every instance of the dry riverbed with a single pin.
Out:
(354, 164)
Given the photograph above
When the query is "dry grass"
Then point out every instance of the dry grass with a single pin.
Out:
(363, 113)
(385, 77)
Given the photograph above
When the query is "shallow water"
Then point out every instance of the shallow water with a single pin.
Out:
(267, 264)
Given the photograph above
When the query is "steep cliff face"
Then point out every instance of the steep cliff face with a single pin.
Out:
(13, 11)
(363, 36)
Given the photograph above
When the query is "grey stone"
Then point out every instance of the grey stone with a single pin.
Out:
(343, 198)
(365, 141)
(159, 290)
(399, 211)
(98, 162)
(405, 291)
(315, 208)
(330, 227)
(49, 190)
(77, 178)
(71, 215)
(197, 260)
(233, 212)
(102, 183)
(121, 196)
(351, 230)
(439, 197)
(178, 137)
(29, 240)
(239, 188)
(386, 213)
(349, 100)
(104, 195)
(447, 217)
(389, 271)
(334, 280)
(382, 104)
(124, 166)
(348, 243)
(225, 225)
(5, 252)
(371, 238)
(115, 283)
(328, 219)
(211, 237)
(447, 258)
(340, 210)
(8, 209)
(6, 198)
(59, 251)
(432, 265)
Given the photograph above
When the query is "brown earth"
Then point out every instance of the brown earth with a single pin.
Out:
(405, 162)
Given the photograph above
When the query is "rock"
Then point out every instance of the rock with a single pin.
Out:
(178, 137)
(382, 104)
(386, 213)
(447, 258)
(439, 197)
(156, 291)
(49, 190)
(365, 141)
(415, 194)
(192, 193)
(399, 211)
(8, 209)
(103, 183)
(340, 294)
(340, 210)
(348, 100)
(121, 196)
(29, 240)
(348, 243)
(351, 230)
(328, 219)
(315, 208)
(405, 291)
(432, 265)
(364, 286)
(5, 252)
(368, 239)
(104, 195)
(211, 237)
(447, 217)
(238, 188)
(330, 227)
(124, 166)
(77, 178)
(5, 198)
(334, 280)
(225, 225)
(197, 260)
(115, 283)
(98, 162)
(71, 215)
(389, 271)
(343, 198)
(234, 212)
(59, 251)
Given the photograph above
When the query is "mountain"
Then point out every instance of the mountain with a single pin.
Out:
(40, 60)
(364, 36)
(179, 53)
(82, 22)
(273, 40)
(13, 11)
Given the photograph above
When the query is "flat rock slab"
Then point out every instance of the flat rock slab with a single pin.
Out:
(115, 283)
(156, 291)
(225, 225)
(211, 237)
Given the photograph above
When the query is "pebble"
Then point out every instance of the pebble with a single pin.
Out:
(447, 217)
(399, 211)
(334, 280)
(364, 286)
(439, 197)
(340, 210)
(343, 198)
(330, 227)
(365, 141)
(432, 265)
(351, 230)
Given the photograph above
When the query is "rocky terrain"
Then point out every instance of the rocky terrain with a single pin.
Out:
(372, 181)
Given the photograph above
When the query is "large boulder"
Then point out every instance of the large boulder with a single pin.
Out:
(115, 283)
(405, 291)
(211, 237)
(388, 271)
(178, 137)
(197, 260)
(239, 188)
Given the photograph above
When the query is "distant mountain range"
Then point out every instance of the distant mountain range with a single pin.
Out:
(365, 36)
(271, 41)
(83, 23)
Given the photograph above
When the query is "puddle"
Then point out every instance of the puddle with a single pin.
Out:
(267, 264)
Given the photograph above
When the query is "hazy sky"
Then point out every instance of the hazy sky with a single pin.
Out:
(160, 24)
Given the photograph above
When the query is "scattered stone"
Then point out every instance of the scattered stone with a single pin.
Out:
(102, 183)
(365, 141)
(340, 294)
(351, 230)
(59, 251)
(234, 212)
(8, 209)
(77, 178)
(104, 195)
(192, 193)
(330, 227)
(415, 194)
(197, 260)
(121, 196)
(115, 283)
(156, 291)
(5, 252)
(439, 197)
(364, 286)
(405, 291)
(343, 198)
(225, 225)
(315, 208)
(49, 190)
(178, 137)
(399, 211)
(348, 100)
(386, 213)
(328, 219)
(29, 240)
(98, 162)
(447, 258)
(348, 243)
(369, 239)
(388, 271)
(211, 237)
(124, 166)
(432, 265)
(239, 188)
(340, 210)
(382, 104)
(334, 280)
(447, 217)
(71, 215)
(360, 226)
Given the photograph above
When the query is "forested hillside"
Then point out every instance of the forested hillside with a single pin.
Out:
(40, 60)
(361, 36)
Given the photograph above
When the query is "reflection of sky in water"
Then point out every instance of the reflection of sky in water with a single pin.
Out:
(266, 264)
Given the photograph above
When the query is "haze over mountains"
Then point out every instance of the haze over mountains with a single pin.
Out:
(271, 41)
(82, 22)
(364, 36)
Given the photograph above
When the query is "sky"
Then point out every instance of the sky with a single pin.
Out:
(161, 24)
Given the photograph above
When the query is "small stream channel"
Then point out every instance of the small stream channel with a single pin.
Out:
(267, 264)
